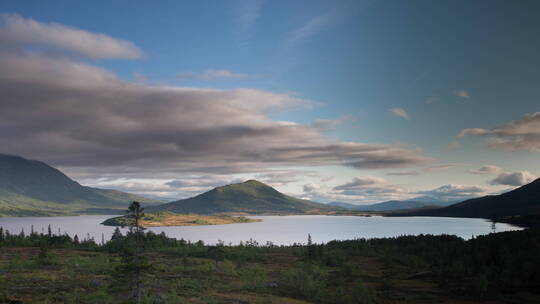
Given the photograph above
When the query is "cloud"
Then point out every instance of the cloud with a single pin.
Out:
(247, 14)
(522, 134)
(370, 189)
(441, 167)
(399, 112)
(473, 131)
(330, 124)
(360, 190)
(365, 189)
(431, 100)
(462, 94)
(454, 145)
(518, 178)
(88, 121)
(404, 173)
(19, 31)
(454, 192)
(488, 169)
(277, 178)
(360, 183)
(213, 75)
(179, 188)
(310, 28)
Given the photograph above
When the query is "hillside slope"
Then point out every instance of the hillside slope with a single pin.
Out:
(33, 188)
(389, 205)
(521, 202)
(251, 197)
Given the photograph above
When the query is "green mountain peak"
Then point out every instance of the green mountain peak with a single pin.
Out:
(30, 187)
(252, 197)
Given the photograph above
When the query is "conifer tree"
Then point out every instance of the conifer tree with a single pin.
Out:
(117, 235)
(134, 263)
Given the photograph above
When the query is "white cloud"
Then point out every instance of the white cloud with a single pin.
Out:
(404, 173)
(431, 100)
(518, 178)
(183, 186)
(454, 192)
(441, 167)
(366, 189)
(488, 169)
(17, 30)
(472, 131)
(522, 134)
(360, 182)
(310, 28)
(85, 119)
(462, 94)
(247, 14)
(399, 112)
(454, 145)
(213, 75)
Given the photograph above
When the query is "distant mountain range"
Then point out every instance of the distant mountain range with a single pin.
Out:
(33, 188)
(512, 206)
(390, 205)
(251, 197)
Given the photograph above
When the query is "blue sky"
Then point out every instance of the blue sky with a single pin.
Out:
(411, 75)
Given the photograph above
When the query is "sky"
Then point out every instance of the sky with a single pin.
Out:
(352, 101)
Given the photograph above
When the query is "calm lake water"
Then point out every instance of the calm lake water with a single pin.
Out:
(276, 229)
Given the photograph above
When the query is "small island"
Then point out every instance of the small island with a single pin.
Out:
(161, 219)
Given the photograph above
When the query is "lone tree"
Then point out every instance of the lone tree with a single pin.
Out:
(135, 213)
(134, 263)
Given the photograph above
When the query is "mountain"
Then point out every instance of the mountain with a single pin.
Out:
(389, 205)
(521, 202)
(33, 188)
(343, 205)
(393, 205)
(251, 197)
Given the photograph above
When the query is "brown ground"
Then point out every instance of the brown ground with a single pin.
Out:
(190, 220)
(80, 272)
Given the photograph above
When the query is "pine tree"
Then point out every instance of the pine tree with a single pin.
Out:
(49, 231)
(135, 212)
(76, 239)
(117, 235)
(310, 248)
(134, 263)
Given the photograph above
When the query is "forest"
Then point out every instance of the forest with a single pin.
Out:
(51, 268)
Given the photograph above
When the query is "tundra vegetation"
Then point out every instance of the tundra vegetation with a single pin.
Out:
(52, 268)
(165, 218)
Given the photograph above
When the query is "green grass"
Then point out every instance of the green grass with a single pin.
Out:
(496, 268)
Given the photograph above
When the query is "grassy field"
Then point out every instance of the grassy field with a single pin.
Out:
(273, 276)
(48, 268)
(250, 273)
(174, 219)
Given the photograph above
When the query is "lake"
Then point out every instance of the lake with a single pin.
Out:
(280, 230)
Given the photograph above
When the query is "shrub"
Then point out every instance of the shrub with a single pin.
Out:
(253, 278)
(228, 267)
(304, 281)
(362, 294)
